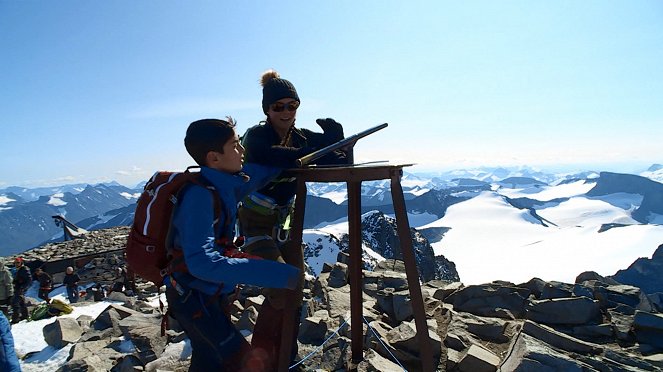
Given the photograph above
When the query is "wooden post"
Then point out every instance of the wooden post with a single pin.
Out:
(290, 310)
(355, 272)
(403, 227)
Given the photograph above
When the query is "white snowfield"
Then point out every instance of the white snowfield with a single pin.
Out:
(491, 240)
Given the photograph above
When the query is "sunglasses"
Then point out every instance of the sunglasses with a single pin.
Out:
(279, 107)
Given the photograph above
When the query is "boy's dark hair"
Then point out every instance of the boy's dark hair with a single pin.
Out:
(207, 135)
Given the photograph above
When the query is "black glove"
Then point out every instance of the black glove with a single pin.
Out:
(332, 129)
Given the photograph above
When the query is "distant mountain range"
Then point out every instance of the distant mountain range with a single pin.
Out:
(26, 214)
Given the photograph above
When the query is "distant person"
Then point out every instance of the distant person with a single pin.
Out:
(197, 295)
(98, 292)
(45, 284)
(70, 282)
(265, 214)
(120, 280)
(8, 358)
(22, 282)
(6, 288)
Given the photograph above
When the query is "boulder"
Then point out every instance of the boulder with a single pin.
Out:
(491, 300)
(313, 330)
(338, 276)
(478, 359)
(145, 334)
(560, 340)
(648, 329)
(527, 353)
(61, 332)
(574, 310)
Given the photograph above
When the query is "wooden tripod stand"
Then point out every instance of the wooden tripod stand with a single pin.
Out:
(354, 176)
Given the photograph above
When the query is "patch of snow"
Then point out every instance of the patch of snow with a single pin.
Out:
(547, 193)
(130, 196)
(4, 199)
(55, 200)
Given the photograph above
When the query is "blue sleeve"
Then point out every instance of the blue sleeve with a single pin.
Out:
(8, 358)
(260, 176)
(193, 222)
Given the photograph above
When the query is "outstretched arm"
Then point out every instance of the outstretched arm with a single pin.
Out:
(193, 222)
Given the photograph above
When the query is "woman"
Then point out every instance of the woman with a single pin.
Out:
(264, 215)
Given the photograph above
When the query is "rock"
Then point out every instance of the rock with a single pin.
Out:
(601, 332)
(575, 310)
(553, 290)
(530, 354)
(489, 329)
(145, 333)
(61, 332)
(95, 353)
(644, 273)
(374, 362)
(656, 299)
(402, 306)
(338, 277)
(444, 289)
(491, 300)
(313, 330)
(457, 342)
(560, 340)
(176, 357)
(649, 329)
(594, 276)
(624, 294)
(127, 363)
(386, 279)
(478, 359)
(406, 344)
(535, 285)
(93, 363)
(621, 325)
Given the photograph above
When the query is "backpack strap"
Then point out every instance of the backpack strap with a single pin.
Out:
(177, 263)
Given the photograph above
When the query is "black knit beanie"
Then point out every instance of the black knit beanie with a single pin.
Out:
(274, 88)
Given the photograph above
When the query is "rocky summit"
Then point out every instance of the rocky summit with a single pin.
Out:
(594, 324)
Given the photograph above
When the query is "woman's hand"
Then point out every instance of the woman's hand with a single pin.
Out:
(332, 129)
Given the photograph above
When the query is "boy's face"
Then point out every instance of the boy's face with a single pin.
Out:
(230, 161)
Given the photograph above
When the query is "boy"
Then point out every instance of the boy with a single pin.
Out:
(45, 284)
(70, 281)
(195, 296)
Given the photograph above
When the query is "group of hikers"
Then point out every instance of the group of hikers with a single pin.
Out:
(257, 199)
(13, 287)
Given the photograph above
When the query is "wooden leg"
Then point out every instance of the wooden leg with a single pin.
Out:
(403, 227)
(291, 308)
(355, 270)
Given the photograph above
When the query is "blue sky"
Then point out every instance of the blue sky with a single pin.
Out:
(95, 91)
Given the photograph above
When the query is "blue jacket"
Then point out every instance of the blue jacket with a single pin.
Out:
(192, 231)
(8, 359)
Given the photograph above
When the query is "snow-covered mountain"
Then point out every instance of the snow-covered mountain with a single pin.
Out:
(26, 222)
(380, 241)
(497, 223)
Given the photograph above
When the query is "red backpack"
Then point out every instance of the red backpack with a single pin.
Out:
(147, 251)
